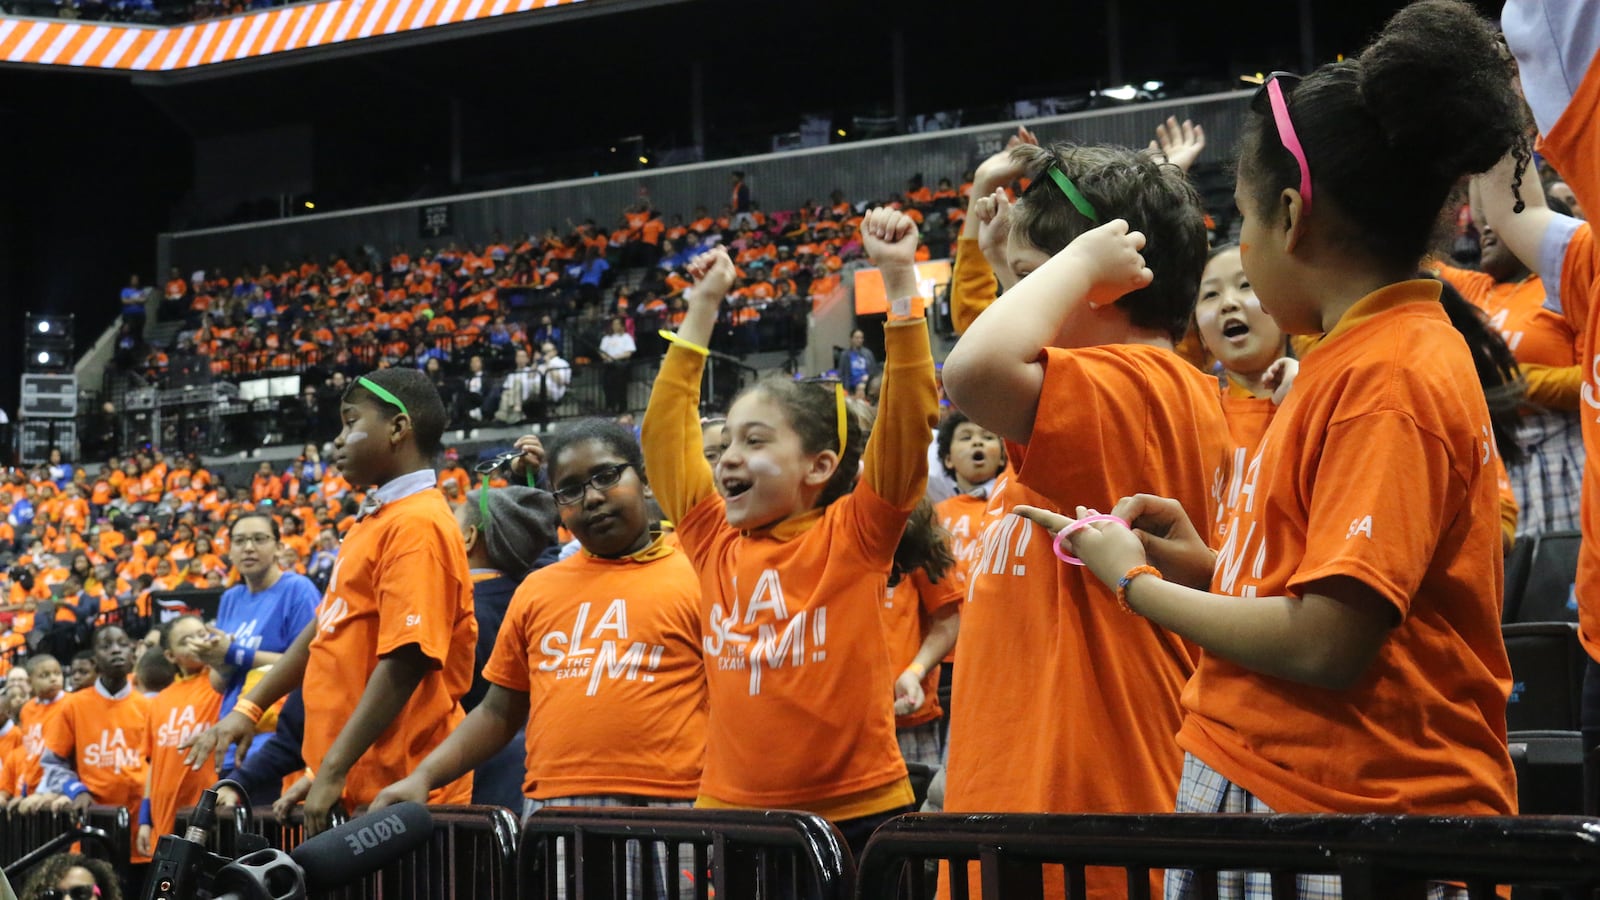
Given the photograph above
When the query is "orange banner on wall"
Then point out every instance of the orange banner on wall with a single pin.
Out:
(870, 299)
(147, 48)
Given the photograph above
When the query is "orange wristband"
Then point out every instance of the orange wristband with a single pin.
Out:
(1122, 586)
(250, 710)
(920, 669)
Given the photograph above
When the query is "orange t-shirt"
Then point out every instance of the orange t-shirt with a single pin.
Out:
(905, 611)
(964, 517)
(1379, 470)
(187, 707)
(33, 720)
(1248, 417)
(10, 752)
(1535, 334)
(401, 579)
(104, 738)
(608, 651)
(458, 475)
(1112, 421)
(1573, 145)
(794, 648)
(784, 617)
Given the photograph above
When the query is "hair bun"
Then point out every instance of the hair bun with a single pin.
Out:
(1434, 81)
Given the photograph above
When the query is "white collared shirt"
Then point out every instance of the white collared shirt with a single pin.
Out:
(127, 689)
(406, 485)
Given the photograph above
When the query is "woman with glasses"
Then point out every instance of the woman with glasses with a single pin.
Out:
(72, 876)
(259, 618)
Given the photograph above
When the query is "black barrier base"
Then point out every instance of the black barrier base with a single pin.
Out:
(1375, 856)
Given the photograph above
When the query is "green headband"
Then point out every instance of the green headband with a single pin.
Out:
(382, 394)
(1073, 194)
(483, 500)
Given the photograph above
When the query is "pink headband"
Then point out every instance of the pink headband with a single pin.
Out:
(1291, 141)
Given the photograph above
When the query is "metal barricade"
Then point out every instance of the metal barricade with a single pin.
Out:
(472, 854)
(27, 839)
(742, 854)
(1025, 857)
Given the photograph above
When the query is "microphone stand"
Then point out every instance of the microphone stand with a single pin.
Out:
(184, 868)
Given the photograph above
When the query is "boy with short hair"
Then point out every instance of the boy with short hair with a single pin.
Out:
(93, 747)
(1094, 404)
(83, 671)
(45, 680)
(391, 651)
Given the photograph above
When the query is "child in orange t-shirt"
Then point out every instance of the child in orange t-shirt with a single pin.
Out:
(1248, 345)
(93, 749)
(974, 456)
(390, 653)
(793, 552)
(185, 708)
(13, 696)
(921, 617)
(47, 682)
(1092, 400)
(599, 655)
(1357, 589)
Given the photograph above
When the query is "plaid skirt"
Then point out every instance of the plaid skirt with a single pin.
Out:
(1204, 790)
(1548, 480)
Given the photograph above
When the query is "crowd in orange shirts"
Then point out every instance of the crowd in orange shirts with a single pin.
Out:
(353, 314)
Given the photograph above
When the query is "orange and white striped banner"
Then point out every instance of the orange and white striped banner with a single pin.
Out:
(146, 48)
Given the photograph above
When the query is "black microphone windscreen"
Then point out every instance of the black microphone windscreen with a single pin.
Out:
(363, 845)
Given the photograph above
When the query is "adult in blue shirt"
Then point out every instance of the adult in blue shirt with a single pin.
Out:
(133, 300)
(857, 365)
(259, 618)
(60, 469)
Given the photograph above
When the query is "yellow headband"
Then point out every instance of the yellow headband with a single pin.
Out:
(844, 410)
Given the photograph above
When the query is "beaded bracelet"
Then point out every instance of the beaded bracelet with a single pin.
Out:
(1122, 585)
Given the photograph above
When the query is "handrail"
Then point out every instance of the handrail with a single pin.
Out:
(1370, 853)
(748, 853)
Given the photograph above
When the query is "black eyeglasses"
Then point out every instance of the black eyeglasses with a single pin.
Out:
(602, 480)
(488, 466)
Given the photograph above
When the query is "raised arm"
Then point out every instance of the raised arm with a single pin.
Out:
(670, 433)
(1523, 232)
(996, 371)
(972, 288)
(1179, 144)
(896, 458)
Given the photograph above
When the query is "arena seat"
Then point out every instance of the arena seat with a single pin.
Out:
(1552, 568)
(1547, 665)
(1550, 772)
(1517, 563)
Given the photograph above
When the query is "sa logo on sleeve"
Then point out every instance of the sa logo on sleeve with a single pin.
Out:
(1362, 525)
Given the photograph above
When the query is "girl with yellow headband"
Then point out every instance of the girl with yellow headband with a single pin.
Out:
(793, 553)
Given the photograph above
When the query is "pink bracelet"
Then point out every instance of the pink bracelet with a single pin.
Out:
(1079, 525)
